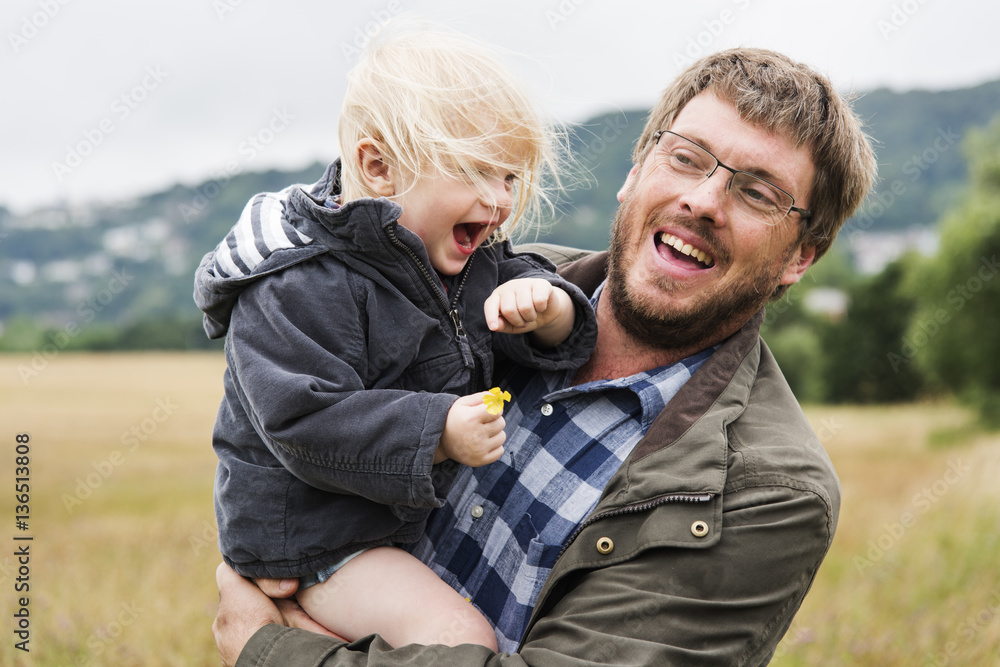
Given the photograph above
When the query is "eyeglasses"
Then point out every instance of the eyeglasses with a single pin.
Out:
(753, 196)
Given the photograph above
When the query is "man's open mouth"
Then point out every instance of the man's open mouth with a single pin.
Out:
(685, 252)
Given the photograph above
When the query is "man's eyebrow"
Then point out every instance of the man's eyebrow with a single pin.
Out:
(768, 176)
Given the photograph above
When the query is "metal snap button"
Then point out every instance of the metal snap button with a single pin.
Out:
(605, 545)
(477, 511)
(699, 529)
(547, 409)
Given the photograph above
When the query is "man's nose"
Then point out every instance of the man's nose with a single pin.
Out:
(707, 199)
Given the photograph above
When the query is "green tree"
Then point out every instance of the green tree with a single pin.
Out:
(866, 355)
(955, 330)
(790, 332)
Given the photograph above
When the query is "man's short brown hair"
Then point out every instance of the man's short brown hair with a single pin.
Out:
(773, 92)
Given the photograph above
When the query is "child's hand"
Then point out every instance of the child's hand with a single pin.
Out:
(524, 305)
(472, 435)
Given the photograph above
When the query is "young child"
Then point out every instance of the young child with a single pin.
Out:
(361, 316)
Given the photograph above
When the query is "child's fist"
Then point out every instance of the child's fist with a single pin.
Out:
(471, 435)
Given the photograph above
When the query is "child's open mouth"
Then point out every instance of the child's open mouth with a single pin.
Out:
(468, 235)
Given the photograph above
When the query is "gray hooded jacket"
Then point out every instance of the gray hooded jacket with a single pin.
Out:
(345, 352)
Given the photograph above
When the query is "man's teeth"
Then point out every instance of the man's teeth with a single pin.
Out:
(686, 248)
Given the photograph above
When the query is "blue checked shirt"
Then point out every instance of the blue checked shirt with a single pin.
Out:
(503, 525)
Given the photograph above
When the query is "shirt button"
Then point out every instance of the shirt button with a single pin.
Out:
(547, 409)
(477, 511)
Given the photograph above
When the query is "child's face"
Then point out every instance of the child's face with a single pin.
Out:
(450, 217)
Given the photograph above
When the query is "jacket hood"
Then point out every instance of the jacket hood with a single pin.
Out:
(279, 229)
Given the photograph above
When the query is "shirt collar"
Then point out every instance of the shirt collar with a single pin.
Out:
(654, 388)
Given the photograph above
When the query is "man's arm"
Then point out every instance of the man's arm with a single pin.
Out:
(728, 604)
(557, 254)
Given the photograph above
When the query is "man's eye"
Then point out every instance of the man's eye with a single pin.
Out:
(684, 160)
(760, 196)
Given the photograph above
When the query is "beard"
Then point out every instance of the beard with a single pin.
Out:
(716, 316)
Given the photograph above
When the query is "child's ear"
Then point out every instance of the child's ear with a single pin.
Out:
(375, 171)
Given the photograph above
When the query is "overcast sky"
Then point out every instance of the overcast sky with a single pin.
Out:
(107, 99)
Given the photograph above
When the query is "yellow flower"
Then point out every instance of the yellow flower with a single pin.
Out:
(494, 399)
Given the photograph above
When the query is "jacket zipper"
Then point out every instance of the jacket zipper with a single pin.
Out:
(451, 308)
(640, 507)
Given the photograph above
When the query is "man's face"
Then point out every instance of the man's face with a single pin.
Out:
(676, 298)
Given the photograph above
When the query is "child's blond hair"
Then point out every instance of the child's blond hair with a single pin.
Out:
(434, 100)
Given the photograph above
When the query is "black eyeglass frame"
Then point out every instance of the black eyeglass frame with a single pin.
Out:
(803, 213)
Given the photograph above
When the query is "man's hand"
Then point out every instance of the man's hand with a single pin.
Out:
(278, 588)
(526, 305)
(471, 436)
(244, 609)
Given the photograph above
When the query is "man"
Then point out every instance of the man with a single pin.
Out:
(667, 504)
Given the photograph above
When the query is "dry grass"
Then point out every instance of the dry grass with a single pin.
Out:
(913, 576)
(123, 557)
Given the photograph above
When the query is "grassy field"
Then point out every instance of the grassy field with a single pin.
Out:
(123, 552)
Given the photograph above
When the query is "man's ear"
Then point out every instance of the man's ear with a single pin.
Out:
(628, 182)
(801, 260)
(375, 170)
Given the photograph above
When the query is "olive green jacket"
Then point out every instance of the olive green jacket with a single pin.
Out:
(699, 552)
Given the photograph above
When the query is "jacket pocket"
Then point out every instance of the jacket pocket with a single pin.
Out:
(539, 560)
(409, 514)
(250, 509)
(683, 520)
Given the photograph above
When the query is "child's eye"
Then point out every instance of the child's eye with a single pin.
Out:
(510, 178)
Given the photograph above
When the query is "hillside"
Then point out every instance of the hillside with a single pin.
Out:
(106, 274)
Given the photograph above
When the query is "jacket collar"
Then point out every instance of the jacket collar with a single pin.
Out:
(695, 447)
(363, 224)
(706, 387)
